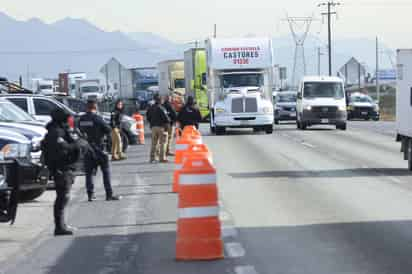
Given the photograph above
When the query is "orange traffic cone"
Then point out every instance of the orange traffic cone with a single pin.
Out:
(193, 150)
(140, 127)
(198, 227)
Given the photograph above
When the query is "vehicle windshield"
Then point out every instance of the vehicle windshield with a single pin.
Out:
(323, 90)
(287, 98)
(93, 89)
(242, 80)
(361, 99)
(146, 85)
(12, 113)
(46, 87)
(180, 83)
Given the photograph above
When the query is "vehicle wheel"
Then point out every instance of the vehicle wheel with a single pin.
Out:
(303, 125)
(367, 118)
(30, 195)
(410, 155)
(269, 129)
(276, 122)
(220, 130)
(125, 141)
(341, 127)
(298, 124)
(376, 119)
(212, 127)
(256, 129)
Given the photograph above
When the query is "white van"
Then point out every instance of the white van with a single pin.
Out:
(321, 101)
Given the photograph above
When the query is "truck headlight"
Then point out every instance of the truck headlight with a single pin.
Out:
(342, 108)
(14, 151)
(220, 110)
(309, 108)
(349, 108)
(267, 110)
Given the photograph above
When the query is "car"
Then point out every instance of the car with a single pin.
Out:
(362, 106)
(321, 100)
(75, 104)
(41, 107)
(16, 120)
(285, 106)
(17, 166)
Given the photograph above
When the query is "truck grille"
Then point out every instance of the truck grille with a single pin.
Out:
(363, 109)
(237, 105)
(325, 112)
(241, 105)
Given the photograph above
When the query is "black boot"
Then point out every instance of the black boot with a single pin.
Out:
(63, 232)
(91, 196)
(113, 198)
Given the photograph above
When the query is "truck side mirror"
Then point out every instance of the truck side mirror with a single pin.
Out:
(204, 79)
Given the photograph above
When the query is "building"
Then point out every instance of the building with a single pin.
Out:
(354, 73)
(119, 79)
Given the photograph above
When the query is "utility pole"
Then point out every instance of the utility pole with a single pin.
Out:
(319, 60)
(329, 13)
(215, 31)
(378, 97)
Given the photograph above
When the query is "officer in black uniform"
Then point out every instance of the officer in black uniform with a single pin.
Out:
(60, 152)
(189, 115)
(96, 129)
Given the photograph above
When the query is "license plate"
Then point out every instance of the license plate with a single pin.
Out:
(243, 123)
(293, 115)
(364, 113)
(324, 121)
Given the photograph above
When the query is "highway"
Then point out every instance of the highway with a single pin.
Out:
(319, 201)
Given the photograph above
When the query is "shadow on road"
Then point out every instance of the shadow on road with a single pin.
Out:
(334, 173)
(368, 248)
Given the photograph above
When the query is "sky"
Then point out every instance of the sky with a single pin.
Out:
(188, 20)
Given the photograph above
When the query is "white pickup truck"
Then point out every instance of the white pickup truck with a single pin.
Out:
(239, 83)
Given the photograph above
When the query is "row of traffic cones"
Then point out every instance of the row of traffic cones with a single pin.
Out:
(194, 179)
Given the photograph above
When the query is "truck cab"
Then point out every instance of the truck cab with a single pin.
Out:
(321, 100)
(239, 84)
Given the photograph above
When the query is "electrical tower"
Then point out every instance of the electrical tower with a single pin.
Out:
(299, 27)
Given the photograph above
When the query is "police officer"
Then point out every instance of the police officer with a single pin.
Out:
(95, 130)
(159, 122)
(189, 115)
(170, 129)
(60, 152)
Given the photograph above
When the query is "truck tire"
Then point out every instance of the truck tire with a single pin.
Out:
(276, 122)
(30, 195)
(341, 126)
(303, 126)
(410, 155)
(269, 129)
(212, 127)
(220, 130)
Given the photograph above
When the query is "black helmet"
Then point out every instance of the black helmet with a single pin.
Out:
(60, 115)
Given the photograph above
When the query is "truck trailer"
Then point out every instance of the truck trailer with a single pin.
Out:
(195, 78)
(239, 83)
(404, 103)
(172, 81)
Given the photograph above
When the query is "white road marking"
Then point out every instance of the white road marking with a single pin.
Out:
(235, 250)
(308, 145)
(245, 269)
(229, 231)
(395, 180)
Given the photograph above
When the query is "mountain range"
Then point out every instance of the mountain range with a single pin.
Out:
(33, 48)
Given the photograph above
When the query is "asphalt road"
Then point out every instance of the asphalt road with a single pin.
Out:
(319, 201)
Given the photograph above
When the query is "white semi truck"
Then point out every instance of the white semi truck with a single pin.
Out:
(90, 89)
(239, 82)
(404, 103)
